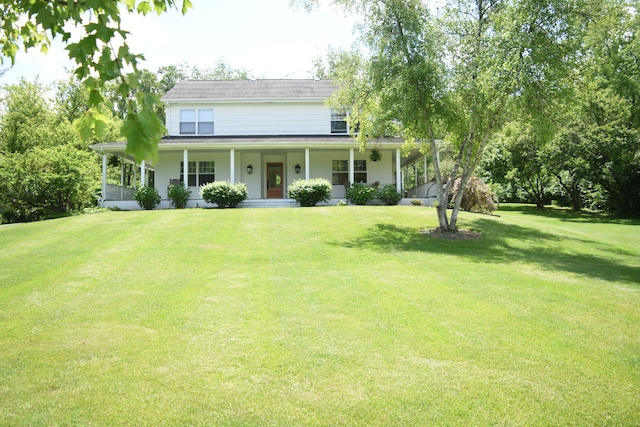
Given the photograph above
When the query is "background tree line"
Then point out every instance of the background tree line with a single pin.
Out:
(46, 167)
(583, 148)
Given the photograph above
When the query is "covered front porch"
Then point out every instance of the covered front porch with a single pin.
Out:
(266, 165)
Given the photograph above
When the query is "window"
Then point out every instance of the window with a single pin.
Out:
(198, 173)
(205, 122)
(191, 174)
(340, 171)
(360, 170)
(339, 121)
(203, 125)
(187, 122)
(205, 173)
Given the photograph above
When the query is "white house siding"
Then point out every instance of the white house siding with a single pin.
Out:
(253, 180)
(381, 171)
(168, 167)
(296, 118)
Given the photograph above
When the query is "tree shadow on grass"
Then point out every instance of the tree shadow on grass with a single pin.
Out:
(569, 215)
(503, 243)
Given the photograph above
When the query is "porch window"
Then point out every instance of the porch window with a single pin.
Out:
(360, 170)
(191, 174)
(205, 173)
(205, 122)
(198, 173)
(187, 122)
(339, 121)
(340, 171)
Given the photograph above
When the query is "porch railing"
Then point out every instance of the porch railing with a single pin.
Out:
(118, 192)
(423, 190)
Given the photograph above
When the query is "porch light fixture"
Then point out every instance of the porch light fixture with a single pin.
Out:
(249, 169)
(297, 168)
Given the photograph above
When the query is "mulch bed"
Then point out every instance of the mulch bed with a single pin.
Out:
(458, 235)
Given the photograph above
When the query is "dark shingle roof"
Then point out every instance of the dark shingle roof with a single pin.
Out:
(250, 89)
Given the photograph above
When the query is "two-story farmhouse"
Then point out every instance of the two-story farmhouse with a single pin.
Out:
(265, 133)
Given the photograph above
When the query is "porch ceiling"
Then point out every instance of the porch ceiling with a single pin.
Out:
(271, 142)
(414, 156)
(118, 149)
(258, 143)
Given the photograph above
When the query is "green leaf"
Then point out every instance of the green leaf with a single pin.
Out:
(186, 5)
(100, 125)
(84, 126)
(144, 7)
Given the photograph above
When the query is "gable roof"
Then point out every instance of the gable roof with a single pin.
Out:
(188, 90)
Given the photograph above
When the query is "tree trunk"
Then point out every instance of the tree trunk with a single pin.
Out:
(442, 192)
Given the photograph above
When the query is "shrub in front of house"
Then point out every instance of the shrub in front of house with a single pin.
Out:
(224, 194)
(310, 192)
(360, 194)
(147, 197)
(389, 195)
(179, 195)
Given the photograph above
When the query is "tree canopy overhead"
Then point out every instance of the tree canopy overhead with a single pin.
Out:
(100, 54)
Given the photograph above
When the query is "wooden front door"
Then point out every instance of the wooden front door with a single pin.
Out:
(275, 181)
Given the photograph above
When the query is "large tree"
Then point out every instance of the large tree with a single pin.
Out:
(101, 56)
(455, 74)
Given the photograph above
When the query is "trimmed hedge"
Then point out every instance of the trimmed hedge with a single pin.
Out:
(310, 192)
(147, 197)
(224, 194)
(179, 195)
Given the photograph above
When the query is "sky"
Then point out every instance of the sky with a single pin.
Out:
(269, 38)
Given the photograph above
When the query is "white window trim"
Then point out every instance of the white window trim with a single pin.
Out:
(197, 172)
(197, 121)
(339, 115)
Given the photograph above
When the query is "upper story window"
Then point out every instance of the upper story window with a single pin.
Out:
(339, 121)
(205, 122)
(187, 122)
(202, 126)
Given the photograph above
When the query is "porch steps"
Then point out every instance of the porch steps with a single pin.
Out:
(290, 203)
(269, 203)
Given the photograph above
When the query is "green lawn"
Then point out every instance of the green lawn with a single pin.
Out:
(320, 316)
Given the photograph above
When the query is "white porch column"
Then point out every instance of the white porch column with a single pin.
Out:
(143, 173)
(425, 169)
(122, 162)
(351, 172)
(415, 175)
(398, 172)
(232, 166)
(104, 177)
(185, 167)
(306, 163)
